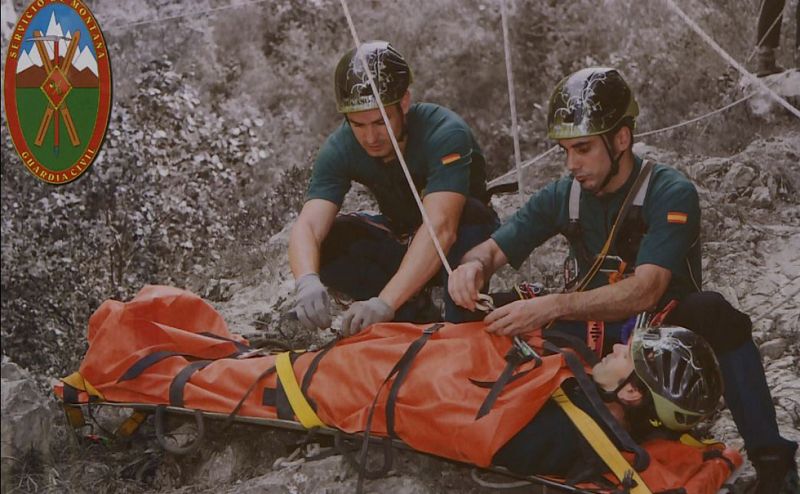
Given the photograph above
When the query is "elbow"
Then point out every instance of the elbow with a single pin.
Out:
(447, 236)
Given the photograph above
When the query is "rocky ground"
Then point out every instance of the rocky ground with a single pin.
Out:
(751, 255)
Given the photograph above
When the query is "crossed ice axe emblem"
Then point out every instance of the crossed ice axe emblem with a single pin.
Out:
(56, 85)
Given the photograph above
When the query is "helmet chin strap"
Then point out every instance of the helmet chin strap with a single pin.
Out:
(611, 396)
(614, 163)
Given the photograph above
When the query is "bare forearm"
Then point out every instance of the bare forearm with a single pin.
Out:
(303, 251)
(488, 254)
(420, 263)
(608, 303)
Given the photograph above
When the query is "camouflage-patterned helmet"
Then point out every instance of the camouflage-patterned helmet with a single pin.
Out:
(589, 102)
(681, 371)
(389, 69)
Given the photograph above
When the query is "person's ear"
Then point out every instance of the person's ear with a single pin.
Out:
(405, 103)
(630, 395)
(622, 139)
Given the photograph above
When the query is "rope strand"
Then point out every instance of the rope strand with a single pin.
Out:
(376, 94)
(512, 101)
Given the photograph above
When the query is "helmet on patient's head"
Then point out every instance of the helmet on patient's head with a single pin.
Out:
(389, 69)
(679, 368)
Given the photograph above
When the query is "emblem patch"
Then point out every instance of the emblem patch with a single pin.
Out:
(57, 89)
(677, 217)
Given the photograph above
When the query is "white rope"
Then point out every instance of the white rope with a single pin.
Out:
(643, 134)
(214, 10)
(697, 119)
(376, 94)
(523, 165)
(747, 75)
(512, 102)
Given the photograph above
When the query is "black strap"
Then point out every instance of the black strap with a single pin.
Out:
(402, 367)
(412, 350)
(715, 454)
(235, 411)
(514, 358)
(644, 173)
(312, 369)
(71, 394)
(566, 340)
(626, 442)
(143, 363)
(285, 411)
(489, 384)
(240, 347)
(506, 188)
(178, 384)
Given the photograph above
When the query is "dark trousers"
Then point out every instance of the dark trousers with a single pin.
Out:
(772, 10)
(728, 331)
(361, 254)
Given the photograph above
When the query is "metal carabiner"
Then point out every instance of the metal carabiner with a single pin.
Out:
(485, 303)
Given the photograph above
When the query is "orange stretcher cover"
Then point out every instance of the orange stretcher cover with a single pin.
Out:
(136, 350)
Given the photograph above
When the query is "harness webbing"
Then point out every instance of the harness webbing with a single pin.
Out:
(77, 382)
(601, 444)
(178, 384)
(305, 414)
(644, 175)
(641, 459)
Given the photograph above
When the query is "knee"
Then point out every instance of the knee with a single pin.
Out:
(710, 315)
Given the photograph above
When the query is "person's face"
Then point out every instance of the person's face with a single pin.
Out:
(370, 130)
(614, 368)
(587, 160)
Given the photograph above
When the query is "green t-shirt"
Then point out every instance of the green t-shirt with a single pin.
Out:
(441, 153)
(671, 213)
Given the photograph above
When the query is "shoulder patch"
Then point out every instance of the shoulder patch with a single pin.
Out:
(450, 158)
(677, 217)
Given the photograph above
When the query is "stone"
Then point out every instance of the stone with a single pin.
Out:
(773, 348)
(761, 197)
(739, 176)
(26, 422)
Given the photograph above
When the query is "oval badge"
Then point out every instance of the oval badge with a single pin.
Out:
(57, 89)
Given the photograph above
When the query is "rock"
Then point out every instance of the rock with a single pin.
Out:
(761, 197)
(738, 177)
(708, 168)
(786, 84)
(26, 422)
(773, 349)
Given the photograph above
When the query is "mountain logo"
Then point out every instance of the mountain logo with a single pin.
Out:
(57, 89)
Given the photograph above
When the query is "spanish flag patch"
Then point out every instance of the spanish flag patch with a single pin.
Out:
(450, 158)
(677, 217)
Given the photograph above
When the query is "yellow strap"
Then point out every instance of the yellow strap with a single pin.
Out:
(76, 380)
(305, 414)
(131, 424)
(601, 444)
(690, 440)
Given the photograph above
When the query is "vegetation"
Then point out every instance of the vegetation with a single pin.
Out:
(217, 117)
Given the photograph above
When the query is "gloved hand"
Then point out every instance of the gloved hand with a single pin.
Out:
(312, 303)
(362, 314)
